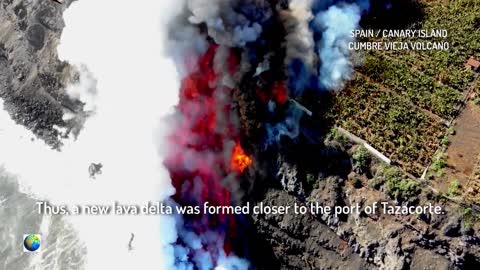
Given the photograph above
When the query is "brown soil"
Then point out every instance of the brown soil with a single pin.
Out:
(428, 260)
(464, 149)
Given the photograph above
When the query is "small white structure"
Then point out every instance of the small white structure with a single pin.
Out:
(370, 148)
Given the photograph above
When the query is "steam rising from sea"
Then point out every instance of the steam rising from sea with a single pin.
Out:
(120, 43)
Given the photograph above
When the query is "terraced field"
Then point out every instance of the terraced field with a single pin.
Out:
(389, 122)
(401, 101)
(422, 90)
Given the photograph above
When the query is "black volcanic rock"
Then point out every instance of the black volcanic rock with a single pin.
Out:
(36, 36)
(301, 241)
(32, 78)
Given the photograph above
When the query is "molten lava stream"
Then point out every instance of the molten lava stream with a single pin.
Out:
(240, 161)
(198, 162)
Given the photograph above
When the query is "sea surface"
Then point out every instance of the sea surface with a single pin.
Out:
(60, 247)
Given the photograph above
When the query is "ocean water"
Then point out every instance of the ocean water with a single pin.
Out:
(60, 248)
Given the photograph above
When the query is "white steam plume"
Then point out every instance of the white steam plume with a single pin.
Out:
(120, 42)
(225, 25)
(335, 25)
(85, 89)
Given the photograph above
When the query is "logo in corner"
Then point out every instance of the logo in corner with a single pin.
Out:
(31, 242)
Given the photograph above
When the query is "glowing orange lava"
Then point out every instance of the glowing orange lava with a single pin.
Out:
(240, 161)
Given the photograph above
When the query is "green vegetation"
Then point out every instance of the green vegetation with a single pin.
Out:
(396, 184)
(424, 91)
(395, 105)
(438, 164)
(467, 212)
(461, 20)
(336, 135)
(389, 123)
(361, 158)
(451, 131)
(476, 101)
(445, 141)
(440, 197)
(312, 182)
(470, 217)
(377, 182)
(454, 189)
(403, 190)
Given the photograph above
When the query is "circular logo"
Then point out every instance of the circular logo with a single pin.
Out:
(32, 242)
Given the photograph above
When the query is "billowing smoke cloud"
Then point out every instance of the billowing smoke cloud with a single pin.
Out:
(317, 58)
(217, 46)
(228, 21)
(200, 159)
(289, 126)
(204, 251)
(300, 55)
(335, 24)
(84, 88)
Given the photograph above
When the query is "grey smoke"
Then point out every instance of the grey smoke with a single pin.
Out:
(299, 38)
(225, 25)
(203, 251)
(184, 40)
